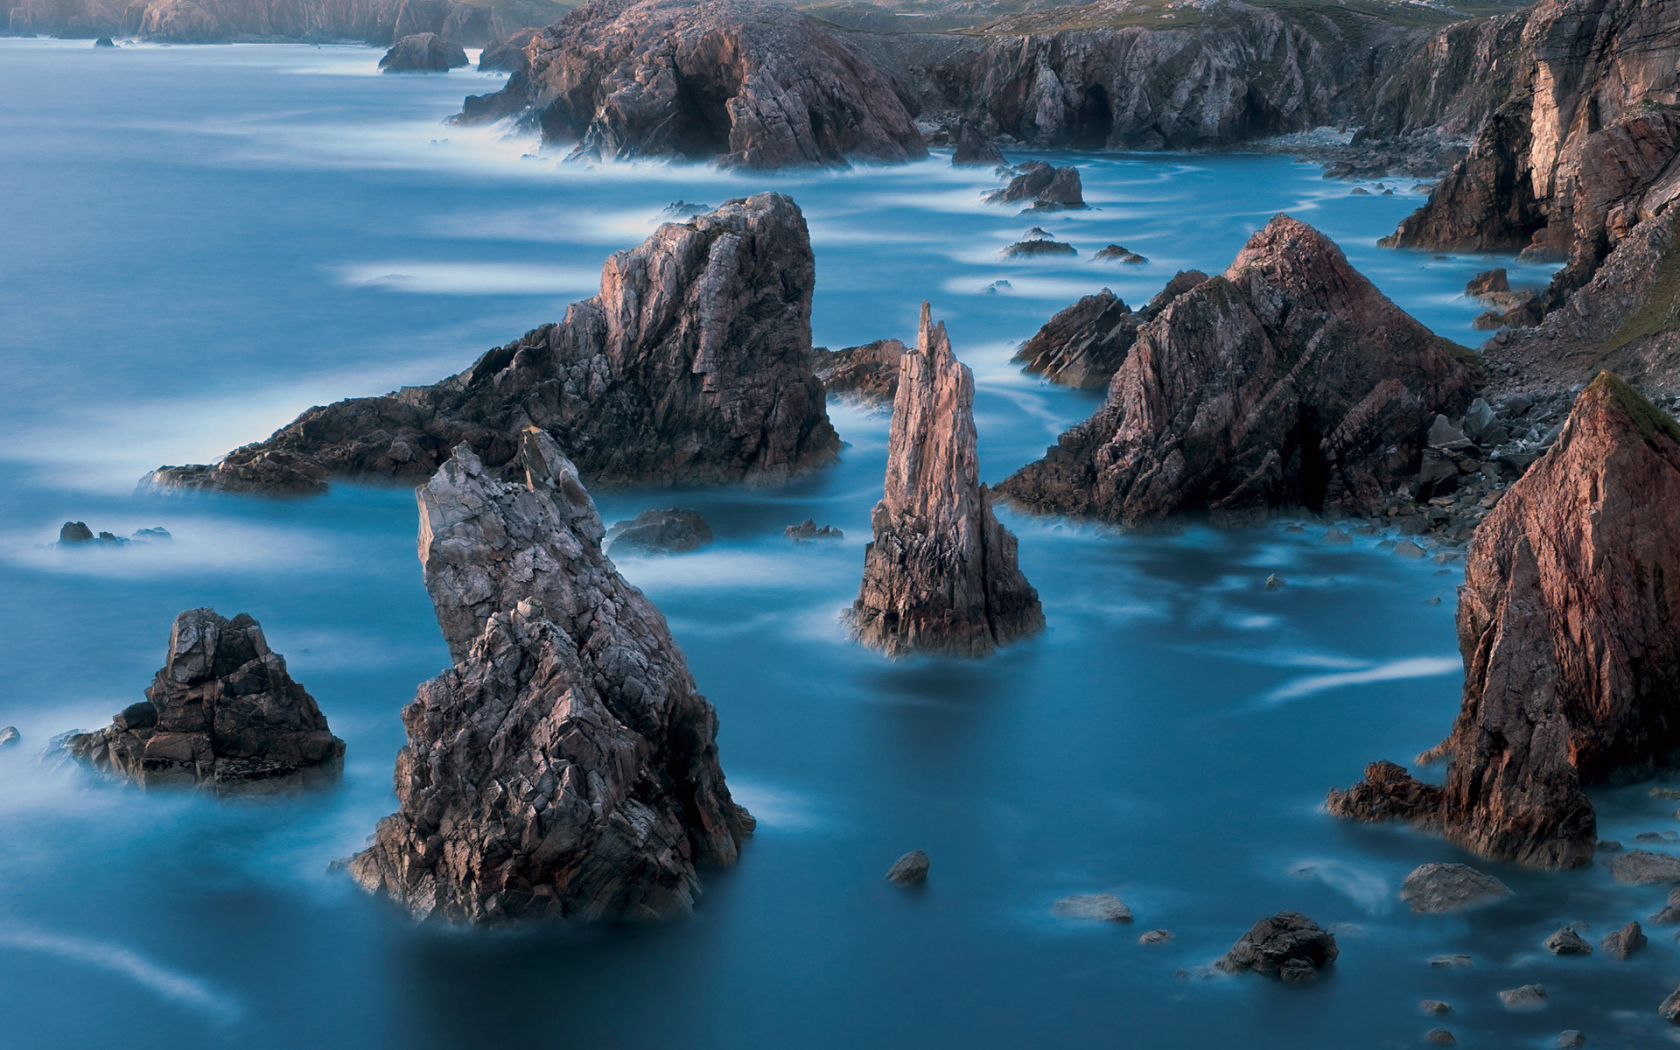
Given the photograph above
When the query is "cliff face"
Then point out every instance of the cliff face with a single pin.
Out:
(566, 765)
(1288, 381)
(376, 22)
(222, 711)
(746, 83)
(941, 575)
(1569, 622)
(693, 364)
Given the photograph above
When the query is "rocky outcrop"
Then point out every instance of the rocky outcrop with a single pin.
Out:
(692, 365)
(75, 535)
(867, 373)
(507, 55)
(808, 531)
(941, 574)
(973, 147)
(379, 23)
(1569, 622)
(744, 82)
(565, 766)
(423, 53)
(1288, 381)
(671, 531)
(1288, 946)
(910, 869)
(1042, 188)
(1086, 343)
(221, 712)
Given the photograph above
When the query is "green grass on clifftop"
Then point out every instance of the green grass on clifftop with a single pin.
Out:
(1647, 418)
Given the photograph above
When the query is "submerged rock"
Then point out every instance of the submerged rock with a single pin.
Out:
(1435, 888)
(1101, 907)
(910, 869)
(672, 531)
(867, 373)
(1528, 997)
(423, 53)
(1569, 621)
(1288, 946)
(1043, 187)
(1289, 381)
(222, 712)
(941, 574)
(693, 364)
(746, 83)
(565, 766)
(75, 534)
(1440, 1037)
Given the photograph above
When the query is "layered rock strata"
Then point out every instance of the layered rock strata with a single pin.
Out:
(1288, 381)
(1086, 343)
(941, 574)
(566, 766)
(221, 712)
(1569, 622)
(742, 82)
(693, 364)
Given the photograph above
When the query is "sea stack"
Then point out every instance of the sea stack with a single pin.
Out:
(221, 712)
(566, 766)
(941, 574)
(1287, 382)
(1569, 622)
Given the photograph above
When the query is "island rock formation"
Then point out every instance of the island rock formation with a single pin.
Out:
(692, 365)
(1288, 381)
(747, 83)
(1042, 188)
(941, 574)
(1569, 622)
(221, 712)
(423, 53)
(566, 766)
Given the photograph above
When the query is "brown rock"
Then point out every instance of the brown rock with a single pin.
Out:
(566, 765)
(1620, 944)
(222, 712)
(747, 83)
(868, 372)
(1083, 345)
(941, 574)
(1288, 945)
(692, 365)
(508, 54)
(1285, 382)
(1042, 188)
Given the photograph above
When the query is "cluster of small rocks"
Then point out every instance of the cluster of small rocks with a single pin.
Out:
(76, 534)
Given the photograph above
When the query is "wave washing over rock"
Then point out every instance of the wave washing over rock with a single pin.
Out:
(749, 84)
(941, 575)
(566, 766)
(1569, 621)
(1287, 381)
(693, 364)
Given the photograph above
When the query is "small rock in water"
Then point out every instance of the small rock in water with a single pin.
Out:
(74, 532)
(1336, 535)
(1036, 247)
(809, 530)
(1655, 836)
(1155, 937)
(1434, 1006)
(1451, 961)
(1671, 913)
(1571, 1039)
(910, 869)
(1274, 582)
(1288, 946)
(1434, 888)
(1668, 793)
(1408, 549)
(681, 209)
(1644, 868)
(1440, 1037)
(1118, 253)
(9, 736)
(1103, 907)
(1528, 997)
(1567, 942)
(104, 41)
(1609, 846)
(1670, 1008)
(672, 531)
(1620, 944)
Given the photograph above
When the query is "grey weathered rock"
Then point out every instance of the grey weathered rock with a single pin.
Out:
(910, 869)
(1042, 188)
(1435, 888)
(1288, 946)
(1440, 1037)
(423, 53)
(1155, 937)
(973, 147)
(1567, 942)
(1639, 867)
(693, 365)
(1571, 1039)
(1102, 907)
(867, 373)
(566, 766)
(1619, 944)
(508, 54)
(746, 83)
(670, 531)
(941, 574)
(1528, 997)
(1669, 1010)
(221, 712)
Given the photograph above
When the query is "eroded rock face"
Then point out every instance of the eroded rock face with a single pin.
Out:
(941, 574)
(1288, 381)
(423, 53)
(507, 55)
(867, 373)
(565, 766)
(747, 83)
(1569, 622)
(1288, 946)
(693, 364)
(221, 712)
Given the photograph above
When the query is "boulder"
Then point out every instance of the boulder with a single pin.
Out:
(1639, 867)
(1101, 907)
(910, 869)
(1042, 187)
(973, 147)
(9, 736)
(671, 531)
(1435, 888)
(1288, 946)
(1289, 381)
(222, 712)
(1434, 1006)
(1619, 944)
(1569, 621)
(423, 53)
(565, 766)
(74, 533)
(746, 83)
(941, 574)
(1567, 942)
(1488, 282)
(1155, 937)
(868, 373)
(693, 365)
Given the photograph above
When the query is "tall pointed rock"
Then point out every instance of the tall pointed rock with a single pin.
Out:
(941, 575)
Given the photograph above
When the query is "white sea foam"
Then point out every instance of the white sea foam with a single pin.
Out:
(175, 986)
(1411, 667)
(1365, 888)
(424, 278)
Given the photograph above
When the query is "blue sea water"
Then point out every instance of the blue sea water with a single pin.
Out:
(203, 241)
